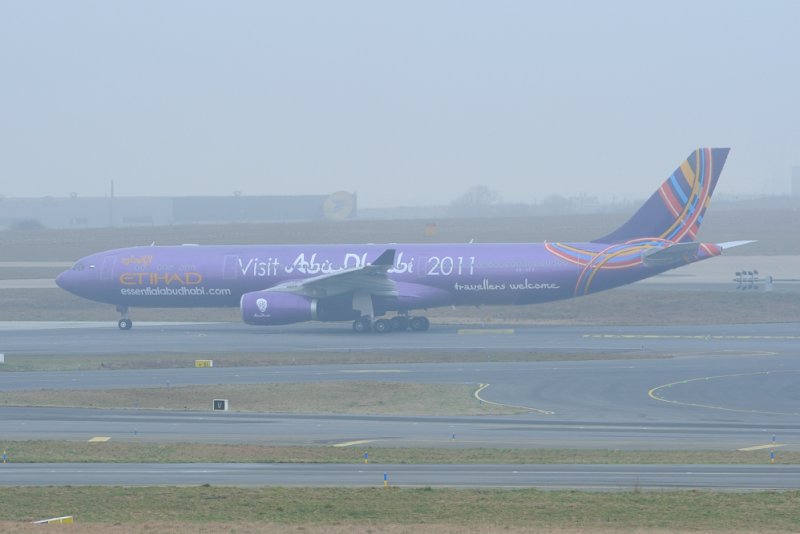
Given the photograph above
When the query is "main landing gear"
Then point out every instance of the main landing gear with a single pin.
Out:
(400, 323)
(125, 323)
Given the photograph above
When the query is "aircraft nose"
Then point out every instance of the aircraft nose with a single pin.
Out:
(62, 280)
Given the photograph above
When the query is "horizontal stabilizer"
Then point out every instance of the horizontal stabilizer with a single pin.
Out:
(673, 254)
(732, 244)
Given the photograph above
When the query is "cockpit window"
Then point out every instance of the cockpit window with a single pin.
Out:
(77, 267)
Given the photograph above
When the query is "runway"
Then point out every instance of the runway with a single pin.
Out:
(69, 338)
(723, 387)
(373, 432)
(592, 477)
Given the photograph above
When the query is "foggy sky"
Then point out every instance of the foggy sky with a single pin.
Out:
(404, 103)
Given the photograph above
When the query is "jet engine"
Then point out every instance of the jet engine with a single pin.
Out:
(274, 308)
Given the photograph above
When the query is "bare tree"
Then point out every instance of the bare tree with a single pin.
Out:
(474, 201)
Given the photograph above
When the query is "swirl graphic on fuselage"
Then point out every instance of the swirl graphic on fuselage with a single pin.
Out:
(617, 256)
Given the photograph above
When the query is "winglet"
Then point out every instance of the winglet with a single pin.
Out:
(385, 259)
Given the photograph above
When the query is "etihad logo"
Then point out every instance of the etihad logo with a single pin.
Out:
(141, 260)
(262, 305)
(160, 279)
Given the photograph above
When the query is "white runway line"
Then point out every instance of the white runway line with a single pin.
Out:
(9, 326)
(29, 283)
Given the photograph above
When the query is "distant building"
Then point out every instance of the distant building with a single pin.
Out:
(94, 212)
(796, 181)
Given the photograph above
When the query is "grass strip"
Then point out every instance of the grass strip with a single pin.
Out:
(534, 509)
(138, 452)
(318, 397)
(56, 362)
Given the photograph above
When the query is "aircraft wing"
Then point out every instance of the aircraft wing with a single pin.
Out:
(372, 279)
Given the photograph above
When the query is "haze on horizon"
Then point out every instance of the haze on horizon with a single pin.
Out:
(406, 103)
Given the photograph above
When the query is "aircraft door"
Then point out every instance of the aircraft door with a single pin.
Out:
(107, 270)
(230, 268)
(420, 267)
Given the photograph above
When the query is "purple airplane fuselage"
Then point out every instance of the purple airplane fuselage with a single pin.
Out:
(426, 275)
(282, 284)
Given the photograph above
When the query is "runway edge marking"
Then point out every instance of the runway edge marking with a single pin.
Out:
(528, 408)
(761, 447)
(703, 337)
(484, 331)
(356, 442)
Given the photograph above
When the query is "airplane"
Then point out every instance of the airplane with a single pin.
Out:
(285, 284)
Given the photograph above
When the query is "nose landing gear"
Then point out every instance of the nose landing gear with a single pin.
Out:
(125, 323)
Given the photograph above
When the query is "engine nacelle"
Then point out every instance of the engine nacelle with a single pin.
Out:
(273, 308)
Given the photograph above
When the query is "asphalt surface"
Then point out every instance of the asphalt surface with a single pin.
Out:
(358, 432)
(594, 477)
(34, 338)
(721, 387)
(724, 387)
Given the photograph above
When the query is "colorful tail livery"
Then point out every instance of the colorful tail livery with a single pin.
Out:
(284, 284)
(675, 211)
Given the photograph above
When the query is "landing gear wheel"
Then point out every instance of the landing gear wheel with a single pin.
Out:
(399, 323)
(382, 326)
(125, 324)
(419, 324)
(362, 325)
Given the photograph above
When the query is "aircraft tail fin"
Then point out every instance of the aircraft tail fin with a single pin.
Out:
(675, 211)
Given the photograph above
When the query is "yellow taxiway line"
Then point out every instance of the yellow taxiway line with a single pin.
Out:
(655, 392)
(528, 408)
